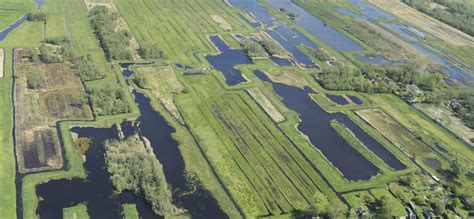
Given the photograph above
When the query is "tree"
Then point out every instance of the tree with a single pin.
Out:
(33, 80)
(37, 15)
(439, 207)
(320, 204)
(336, 209)
(457, 168)
(384, 207)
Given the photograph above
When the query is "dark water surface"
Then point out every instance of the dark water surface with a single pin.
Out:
(226, 61)
(337, 99)
(316, 125)
(355, 100)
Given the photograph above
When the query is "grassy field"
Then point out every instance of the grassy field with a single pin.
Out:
(56, 24)
(421, 125)
(13, 10)
(179, 28)
(449, 120)
(129, 211)
(78, 211)
(249, 154)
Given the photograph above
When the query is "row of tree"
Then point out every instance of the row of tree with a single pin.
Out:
(378, 79)
(457, 14)
(114, 42)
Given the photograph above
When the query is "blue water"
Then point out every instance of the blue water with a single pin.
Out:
(355, 100)
(317, 27)
(377, 60)
(337, 99)
(226, 61)
(281, 32)
(4, 33)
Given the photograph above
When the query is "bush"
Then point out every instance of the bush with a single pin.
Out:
(108, 100)
(151, 51)
(115, 43)
(252, 48)
(133, 166)
(33, 80)
(37, 15)
(273, 47)
(87, 69)
(50, 54)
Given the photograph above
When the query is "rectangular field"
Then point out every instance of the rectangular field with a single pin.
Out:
(57, 95)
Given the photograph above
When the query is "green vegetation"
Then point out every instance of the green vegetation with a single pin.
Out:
(12, 10)
(114, 43)
(78, 211)
(130, 211)
(133, 166)
(33, 80)
(37, 15)
(108, 100)
(378, 79)
(50, 53)
(273, 47)
(456, 14)
(253, 48)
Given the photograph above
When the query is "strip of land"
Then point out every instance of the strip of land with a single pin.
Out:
(425, 22)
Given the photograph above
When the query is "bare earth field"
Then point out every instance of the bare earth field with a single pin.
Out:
(266, 105)
(426, 23)
(59, 96)
(222, 22)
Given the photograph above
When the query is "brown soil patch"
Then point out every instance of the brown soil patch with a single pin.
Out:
(221, 22)
(266, 105)
(60, 96)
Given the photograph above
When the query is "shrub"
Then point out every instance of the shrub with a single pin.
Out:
(133, 166)
(33, 80)
(87, 69)
(37, 15)
(50, 54)
(108, 100)
(151, 51)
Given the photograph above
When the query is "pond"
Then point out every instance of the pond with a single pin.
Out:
(337, 99)
(226, 61)
(433, 163)
(355, 100)
(315, 123)
(97, 189)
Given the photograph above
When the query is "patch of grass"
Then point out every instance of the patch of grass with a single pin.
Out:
(76, 212)
(12, 10)
(129, 211)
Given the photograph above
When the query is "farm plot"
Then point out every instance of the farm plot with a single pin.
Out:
(44, 94)
(390, 129)
(422, 126)
(261, 168)
(55, 25)
(178, 28)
